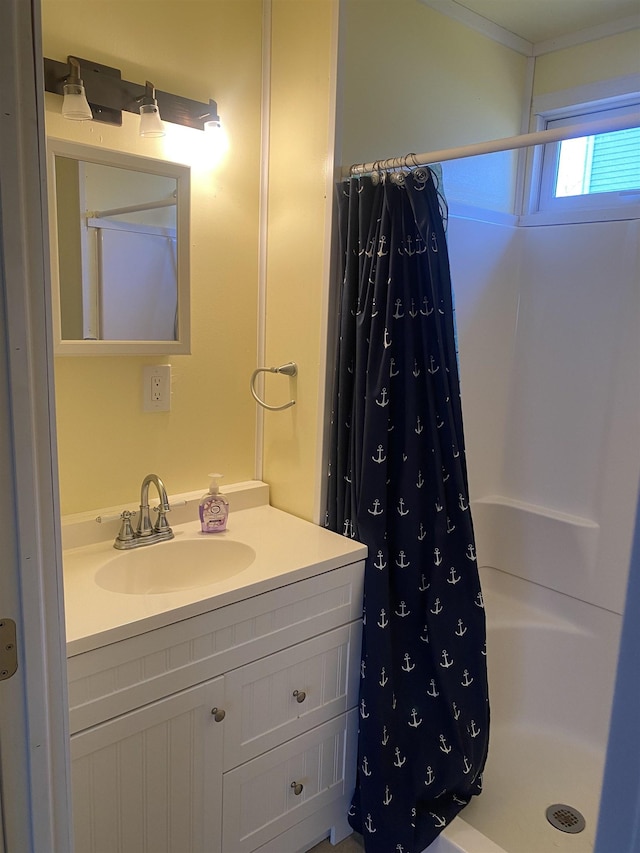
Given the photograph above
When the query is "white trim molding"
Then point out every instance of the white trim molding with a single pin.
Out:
(327, 329)
(611, 28)
(36, 798)
(458, 12)
(476, 22)
(263, 230)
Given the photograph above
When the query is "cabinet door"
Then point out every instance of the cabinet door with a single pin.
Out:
(150, 781)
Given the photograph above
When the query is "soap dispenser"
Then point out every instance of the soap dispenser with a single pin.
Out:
(214, 508)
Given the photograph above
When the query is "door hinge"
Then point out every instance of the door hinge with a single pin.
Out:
(8, 650)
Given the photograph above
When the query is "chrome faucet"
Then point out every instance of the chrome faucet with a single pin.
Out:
(145, 533)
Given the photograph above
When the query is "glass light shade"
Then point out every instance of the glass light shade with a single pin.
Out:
(150, 122)
(215, 134)
(75, 105)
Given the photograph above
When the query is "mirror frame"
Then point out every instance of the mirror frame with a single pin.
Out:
(182, 174)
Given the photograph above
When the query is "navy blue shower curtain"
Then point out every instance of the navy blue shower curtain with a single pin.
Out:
(398, 483)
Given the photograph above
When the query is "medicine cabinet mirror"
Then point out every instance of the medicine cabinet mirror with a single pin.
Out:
(119, 252)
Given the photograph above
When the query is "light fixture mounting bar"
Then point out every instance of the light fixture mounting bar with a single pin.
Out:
(108, 95)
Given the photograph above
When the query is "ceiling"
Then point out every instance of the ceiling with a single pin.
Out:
(541, 20)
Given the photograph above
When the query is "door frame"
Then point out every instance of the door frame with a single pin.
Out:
(35, 813)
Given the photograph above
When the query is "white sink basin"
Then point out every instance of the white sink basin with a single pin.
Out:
(174, 565)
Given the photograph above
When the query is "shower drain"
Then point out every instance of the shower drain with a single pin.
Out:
(565, 818)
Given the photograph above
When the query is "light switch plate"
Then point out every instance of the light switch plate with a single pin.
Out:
(156, 388)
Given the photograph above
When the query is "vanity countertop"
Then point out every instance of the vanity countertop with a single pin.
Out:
(287, 549)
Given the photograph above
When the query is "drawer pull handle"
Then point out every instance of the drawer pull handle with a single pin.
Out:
(297, 788)
(218, 714)
(300, 695)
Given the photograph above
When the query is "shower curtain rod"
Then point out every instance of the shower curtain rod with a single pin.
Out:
(133, 208)
(525, 140)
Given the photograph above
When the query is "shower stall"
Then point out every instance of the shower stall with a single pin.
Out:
(548, 319)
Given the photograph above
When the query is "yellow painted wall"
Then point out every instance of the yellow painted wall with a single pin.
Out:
(604, 59)
(106, 443)
(301, 122)
(415, 80)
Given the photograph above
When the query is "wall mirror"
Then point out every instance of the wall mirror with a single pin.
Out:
(119, 252)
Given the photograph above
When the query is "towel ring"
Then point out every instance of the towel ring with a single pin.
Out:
(289, 369)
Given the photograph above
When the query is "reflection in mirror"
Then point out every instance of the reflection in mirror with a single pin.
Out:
(119, 246)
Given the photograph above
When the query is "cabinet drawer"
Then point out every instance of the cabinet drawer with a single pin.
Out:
(259, 801)
(262, 699)
(109, 681)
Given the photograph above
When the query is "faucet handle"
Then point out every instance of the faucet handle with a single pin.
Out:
(125, 533)
(162, 525)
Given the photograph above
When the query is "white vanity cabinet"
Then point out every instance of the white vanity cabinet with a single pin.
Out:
(270, 770)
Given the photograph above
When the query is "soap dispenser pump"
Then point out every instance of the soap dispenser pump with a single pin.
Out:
(214, 508)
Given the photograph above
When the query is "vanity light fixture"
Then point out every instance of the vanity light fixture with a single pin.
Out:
(211, 124)
(108, 95)
(75, 105)
(150, 123)
(213, 130)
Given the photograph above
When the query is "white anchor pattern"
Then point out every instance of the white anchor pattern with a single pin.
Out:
(397, 434)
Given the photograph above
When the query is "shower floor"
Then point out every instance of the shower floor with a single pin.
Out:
(527, 771)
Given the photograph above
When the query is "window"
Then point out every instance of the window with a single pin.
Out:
(608, 162)
(592, 177)
(591, 171)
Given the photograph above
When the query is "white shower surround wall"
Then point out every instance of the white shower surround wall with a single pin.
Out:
(548, 323)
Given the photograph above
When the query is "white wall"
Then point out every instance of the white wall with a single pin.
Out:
(549, 322)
